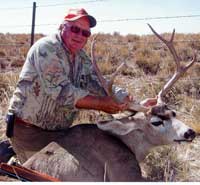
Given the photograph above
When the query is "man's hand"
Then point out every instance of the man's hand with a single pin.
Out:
(107, 104)
(113, 107)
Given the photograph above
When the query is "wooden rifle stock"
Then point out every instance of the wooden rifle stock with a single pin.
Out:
(25, 174)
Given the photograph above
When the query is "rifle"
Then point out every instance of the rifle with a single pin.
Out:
(24, 174)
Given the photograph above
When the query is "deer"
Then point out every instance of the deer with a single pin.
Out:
(112, 150)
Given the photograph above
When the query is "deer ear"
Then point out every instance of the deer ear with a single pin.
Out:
(119, 128)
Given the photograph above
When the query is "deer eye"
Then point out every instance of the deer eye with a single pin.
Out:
(156, 121)
(173, 114)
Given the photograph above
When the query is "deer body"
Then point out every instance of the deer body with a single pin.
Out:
(87, 154)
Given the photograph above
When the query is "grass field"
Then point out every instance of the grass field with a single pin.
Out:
(150, 66)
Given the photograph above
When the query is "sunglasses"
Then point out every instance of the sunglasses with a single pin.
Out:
(76, 29)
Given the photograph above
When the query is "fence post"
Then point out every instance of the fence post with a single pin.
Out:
(33, 23)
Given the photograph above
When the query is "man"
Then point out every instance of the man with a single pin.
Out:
(56, 81)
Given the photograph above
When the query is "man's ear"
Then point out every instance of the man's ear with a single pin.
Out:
(119, 128)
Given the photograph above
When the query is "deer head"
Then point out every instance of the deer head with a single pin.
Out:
(153, 126)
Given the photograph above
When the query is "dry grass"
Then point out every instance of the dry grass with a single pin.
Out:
(163, 164)
(8, 83)
(151, 65)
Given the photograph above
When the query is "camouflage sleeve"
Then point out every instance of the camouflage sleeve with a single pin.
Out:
(53, 77)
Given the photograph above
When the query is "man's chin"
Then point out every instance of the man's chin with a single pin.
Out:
(74, 47)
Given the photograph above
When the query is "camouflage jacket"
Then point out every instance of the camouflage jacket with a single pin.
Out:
(50, 84)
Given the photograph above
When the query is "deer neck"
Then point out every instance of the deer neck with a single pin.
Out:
(138, 140)
(133, 132)
(138, 143)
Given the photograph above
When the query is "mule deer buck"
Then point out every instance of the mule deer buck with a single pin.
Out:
(112, 150)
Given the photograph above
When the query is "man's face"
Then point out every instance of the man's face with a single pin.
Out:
(73, 34)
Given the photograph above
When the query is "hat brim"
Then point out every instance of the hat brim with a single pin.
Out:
(91, 19)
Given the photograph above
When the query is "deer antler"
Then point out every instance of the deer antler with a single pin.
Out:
(180, 70)
(93, 59)
(107, 85)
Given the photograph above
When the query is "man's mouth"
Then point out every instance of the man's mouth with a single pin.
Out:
(77, 41)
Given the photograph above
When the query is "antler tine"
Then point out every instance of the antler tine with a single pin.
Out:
(113, 76)
(96, 68)
(180, 70)
(191, 62)
(169, 44)
(107, 85)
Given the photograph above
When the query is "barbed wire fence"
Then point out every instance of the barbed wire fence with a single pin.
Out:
(34, 7)
(118, 42)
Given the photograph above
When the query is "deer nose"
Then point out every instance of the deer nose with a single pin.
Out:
(190, 134)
